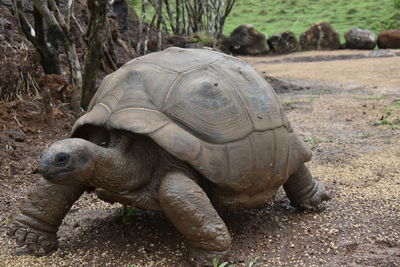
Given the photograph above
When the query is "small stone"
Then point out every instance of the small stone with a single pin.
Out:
(22, 251)
(17, 134)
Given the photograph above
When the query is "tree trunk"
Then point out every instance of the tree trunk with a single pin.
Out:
(141, 24)
(48, 54)
(98, 10)
(159, 18)
(56, 24)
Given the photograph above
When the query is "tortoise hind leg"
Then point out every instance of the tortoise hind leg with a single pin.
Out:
(304, 191)
(187, 206)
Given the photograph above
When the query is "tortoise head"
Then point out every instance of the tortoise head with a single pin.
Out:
(69, 161)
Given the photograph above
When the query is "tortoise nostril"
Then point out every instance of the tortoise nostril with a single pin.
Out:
(61, 158)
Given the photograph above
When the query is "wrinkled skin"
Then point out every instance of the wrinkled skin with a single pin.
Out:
(132, 169)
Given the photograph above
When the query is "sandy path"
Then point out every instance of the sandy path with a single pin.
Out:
(373, 72)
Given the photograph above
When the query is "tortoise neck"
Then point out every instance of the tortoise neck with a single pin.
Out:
(125, 166)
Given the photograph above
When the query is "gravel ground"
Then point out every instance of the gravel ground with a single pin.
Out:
(348, 114)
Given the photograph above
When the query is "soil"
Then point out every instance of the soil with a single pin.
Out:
(348, 112)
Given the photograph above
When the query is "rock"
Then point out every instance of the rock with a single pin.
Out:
(21, 251)
(246, 40)
(320, 36)
(176, 40)
(357, 38)
(17, 134)
(223, 45)
(284, 43)
(389, 39)
(194, 45)
(382, 53)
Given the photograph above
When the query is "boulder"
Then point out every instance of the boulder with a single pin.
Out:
(389, 39)
(320, 36)
(357, 38)
(176, 40)
(223, 45)
(284, 43)
(246, 40)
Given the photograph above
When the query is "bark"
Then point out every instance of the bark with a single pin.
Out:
(48, 53)
(159, 19)
(146, 40)
(141, 24)
(194, 16)
(228, 9)
(98, 10)
(57, 25)
(48, 110)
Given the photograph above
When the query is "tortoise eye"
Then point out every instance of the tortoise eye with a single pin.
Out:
(61, 158)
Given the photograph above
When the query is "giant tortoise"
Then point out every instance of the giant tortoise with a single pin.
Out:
(186, 131)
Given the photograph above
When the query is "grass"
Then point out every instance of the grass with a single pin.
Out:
(217, 263)
(322, 91)
(373, 97)
(291, 103)
(128, 216)
(391, 117)
(273, 16)
(314, 141)
(364, 135)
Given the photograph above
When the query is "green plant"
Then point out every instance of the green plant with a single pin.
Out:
(384, 121)
(364, 135)
(252, 262)
(392, 123)
(314, 141)
(291, 103)
(374, 97)
(393, 107)
(200, 38)
(391, 116)
(218, 263)
(128, 212)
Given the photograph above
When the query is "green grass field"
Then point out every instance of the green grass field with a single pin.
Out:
(273, 16)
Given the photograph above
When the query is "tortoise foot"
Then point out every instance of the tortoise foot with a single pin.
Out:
(304, 191)
(34, 241)
(313, 200)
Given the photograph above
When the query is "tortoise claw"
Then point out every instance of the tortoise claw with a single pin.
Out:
(35, 241)
(314, 201)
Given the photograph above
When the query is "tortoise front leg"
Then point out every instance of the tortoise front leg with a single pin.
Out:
(41, 214)
(304, 191)
(189, 209)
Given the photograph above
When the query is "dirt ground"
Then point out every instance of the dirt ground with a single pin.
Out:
(348, 111)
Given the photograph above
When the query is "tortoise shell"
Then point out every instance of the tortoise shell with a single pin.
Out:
(208, 109)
